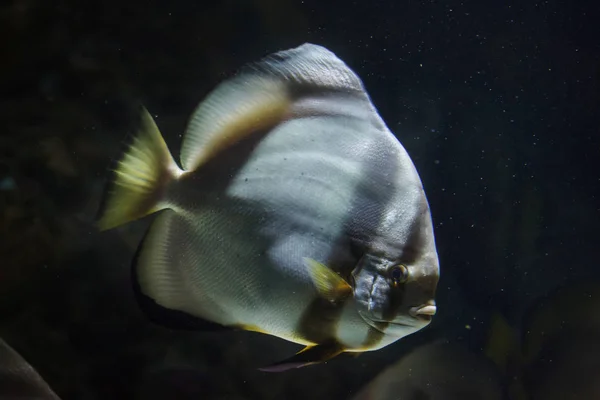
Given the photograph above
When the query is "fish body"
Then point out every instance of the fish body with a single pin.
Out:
(19, 380)
(295, 212)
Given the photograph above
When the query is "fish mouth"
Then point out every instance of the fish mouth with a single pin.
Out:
(377, 323)
(423, 313)
(428, 310)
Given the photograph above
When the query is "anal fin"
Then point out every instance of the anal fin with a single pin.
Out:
(154, 263)
(308, 356)
(172, 319)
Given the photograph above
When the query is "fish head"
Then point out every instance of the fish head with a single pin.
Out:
(396, 276)
(394, 297)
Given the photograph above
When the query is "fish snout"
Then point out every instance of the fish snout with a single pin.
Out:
(423, 312)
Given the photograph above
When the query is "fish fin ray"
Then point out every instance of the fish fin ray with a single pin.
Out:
(159, 282)
(329, 284)
(140, 177)
(234, 110)
(309, 66)
(310, 355)
(261, 96)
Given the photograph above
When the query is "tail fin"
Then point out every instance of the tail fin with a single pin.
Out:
(140, 177)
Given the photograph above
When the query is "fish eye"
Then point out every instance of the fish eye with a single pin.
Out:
(398, 274)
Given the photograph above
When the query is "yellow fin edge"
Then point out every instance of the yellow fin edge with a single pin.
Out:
(328, 283)
(139, 177)
(268, 112)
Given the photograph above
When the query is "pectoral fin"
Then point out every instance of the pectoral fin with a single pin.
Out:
(330, 285)
(307, 356)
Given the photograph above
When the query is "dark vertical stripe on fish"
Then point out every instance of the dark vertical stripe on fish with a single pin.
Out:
(319, 322)
(395, 304)
(217, 172)
(374, 335)
(370, 208)
(414, 241)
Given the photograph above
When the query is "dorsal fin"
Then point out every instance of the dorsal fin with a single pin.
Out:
(260, 97)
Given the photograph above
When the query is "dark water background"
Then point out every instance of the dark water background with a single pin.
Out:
(497, 103)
